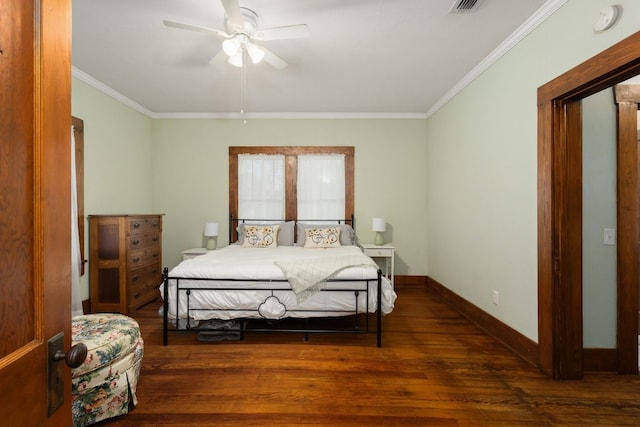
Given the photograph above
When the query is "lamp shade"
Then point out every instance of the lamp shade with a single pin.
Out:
(211, 229)
(255, 53)
(378, 224)
(236, 60)
(231, 46)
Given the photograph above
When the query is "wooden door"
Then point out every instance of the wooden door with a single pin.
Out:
(35, 129)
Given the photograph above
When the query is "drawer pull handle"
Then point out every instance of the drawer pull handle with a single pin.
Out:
(136, 295)
(136, 259)
(134, 278)
(155, 255)
(155, 239)
(135, 242)
(136, 225)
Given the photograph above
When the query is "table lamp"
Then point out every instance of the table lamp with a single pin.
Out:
(379, 226)
(211, 232)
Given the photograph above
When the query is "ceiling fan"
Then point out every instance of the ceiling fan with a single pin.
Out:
(243, 38)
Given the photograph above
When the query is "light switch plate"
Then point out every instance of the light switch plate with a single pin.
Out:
(609, 237)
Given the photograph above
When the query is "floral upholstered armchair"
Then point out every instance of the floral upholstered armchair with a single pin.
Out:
(104, 386)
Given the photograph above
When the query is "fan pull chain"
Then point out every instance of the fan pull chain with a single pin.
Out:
(243, 83)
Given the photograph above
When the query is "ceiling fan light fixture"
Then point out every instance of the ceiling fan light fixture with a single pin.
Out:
(255, 53)
(236, 60)
(231, 46)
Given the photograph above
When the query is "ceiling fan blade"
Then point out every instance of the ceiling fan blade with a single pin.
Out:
(218, 58)
(198, 28)
(232, 9)
(274, 60)
(286, 32)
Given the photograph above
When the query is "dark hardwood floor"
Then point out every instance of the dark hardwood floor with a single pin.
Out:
(435, 368)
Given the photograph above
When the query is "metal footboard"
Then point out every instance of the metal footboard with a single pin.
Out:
(182, 288)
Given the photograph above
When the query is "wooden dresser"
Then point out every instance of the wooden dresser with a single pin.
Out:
(125, 256)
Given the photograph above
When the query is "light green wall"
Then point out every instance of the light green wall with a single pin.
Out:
(482, 165)
(599, 262)
(191, 176)
(458, 190)
(117, 157)
(134, 164)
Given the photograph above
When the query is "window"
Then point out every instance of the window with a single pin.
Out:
(300, 164)
(261, 186)
(320, 186)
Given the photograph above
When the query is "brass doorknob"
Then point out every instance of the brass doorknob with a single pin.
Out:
(74, 357)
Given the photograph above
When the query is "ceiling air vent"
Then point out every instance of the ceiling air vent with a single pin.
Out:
(465, 6)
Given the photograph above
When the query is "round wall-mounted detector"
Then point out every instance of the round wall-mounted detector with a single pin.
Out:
(606, 18)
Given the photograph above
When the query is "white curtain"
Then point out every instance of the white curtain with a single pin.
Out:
(76, 258)
(261, 184)
(321, 186)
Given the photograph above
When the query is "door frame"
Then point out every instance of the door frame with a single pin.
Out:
(560, 346)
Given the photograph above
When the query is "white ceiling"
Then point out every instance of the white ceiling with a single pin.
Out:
(364, 58)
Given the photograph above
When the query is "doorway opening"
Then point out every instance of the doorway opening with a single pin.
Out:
(560, 339)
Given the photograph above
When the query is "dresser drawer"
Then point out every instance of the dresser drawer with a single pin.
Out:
(142, 225)
(143, 295)
(378, 252)
(143, 257)
(139, 241)
(143, 287)
(141, 276)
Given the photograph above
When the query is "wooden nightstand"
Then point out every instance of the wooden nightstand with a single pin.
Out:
(194, 252)
(387, 252)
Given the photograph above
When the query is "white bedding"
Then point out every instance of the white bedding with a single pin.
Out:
(247, 264)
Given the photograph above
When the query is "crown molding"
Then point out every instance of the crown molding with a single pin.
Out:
(527, 27)
(97, 84)
(301, 116)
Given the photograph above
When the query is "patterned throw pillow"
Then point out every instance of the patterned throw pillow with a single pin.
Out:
(347, 235)
(260, 236)
(317, 237)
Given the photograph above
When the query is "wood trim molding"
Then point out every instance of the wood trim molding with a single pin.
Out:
(509, 337)
(401, 281)
(628, 214)
(559, 245)
(600, 359)
(291, 154)
(627, 93)
(78, 135)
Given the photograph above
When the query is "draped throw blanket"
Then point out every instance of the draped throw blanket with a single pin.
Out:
(309, 276)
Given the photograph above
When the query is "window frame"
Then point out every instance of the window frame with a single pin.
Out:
(291, 154)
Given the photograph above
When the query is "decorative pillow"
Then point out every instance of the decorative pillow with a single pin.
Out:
(285, 233)
(317, 237)
(260, 236)
(347, 235)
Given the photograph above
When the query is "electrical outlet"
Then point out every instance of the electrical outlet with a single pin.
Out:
(496, 297)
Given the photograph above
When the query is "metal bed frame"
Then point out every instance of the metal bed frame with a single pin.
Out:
(362, 286)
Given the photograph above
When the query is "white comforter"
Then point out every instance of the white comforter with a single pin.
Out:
(241, 263)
